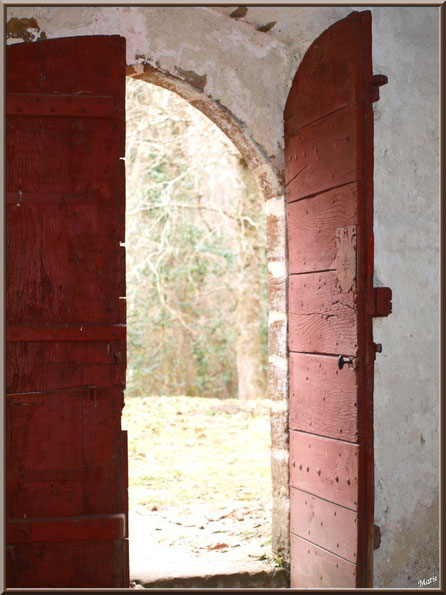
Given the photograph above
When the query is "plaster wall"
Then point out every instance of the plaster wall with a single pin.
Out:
(240, 76)
(407, 260)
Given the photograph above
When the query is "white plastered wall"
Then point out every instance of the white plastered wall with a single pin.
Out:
(406, 49)
(246, 74)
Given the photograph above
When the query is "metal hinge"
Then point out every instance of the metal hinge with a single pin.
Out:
(382, 301)
(378, 80)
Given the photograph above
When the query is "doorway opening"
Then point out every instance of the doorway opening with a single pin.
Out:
(196, 413)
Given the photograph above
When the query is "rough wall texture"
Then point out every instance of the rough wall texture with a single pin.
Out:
(407, 259)
(239, 76)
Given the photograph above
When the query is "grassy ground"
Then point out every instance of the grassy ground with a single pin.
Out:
(183, 450)
(199, 481)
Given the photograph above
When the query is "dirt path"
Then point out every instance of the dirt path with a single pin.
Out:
(199, 487)
(197, 541)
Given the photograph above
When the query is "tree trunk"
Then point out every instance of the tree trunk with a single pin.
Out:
(251, 251)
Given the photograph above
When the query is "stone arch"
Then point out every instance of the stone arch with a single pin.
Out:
(190, 88)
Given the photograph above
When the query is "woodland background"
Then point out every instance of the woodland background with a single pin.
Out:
(196, 255)
(197, 305)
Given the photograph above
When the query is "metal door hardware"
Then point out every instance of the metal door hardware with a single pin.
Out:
(347, 360)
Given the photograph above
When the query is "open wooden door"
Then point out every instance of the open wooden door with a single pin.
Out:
(66, 351)
(329, 177)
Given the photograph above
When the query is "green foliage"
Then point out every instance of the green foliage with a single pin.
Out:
(182, 226)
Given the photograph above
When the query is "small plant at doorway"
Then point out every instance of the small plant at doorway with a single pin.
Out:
(196, 255)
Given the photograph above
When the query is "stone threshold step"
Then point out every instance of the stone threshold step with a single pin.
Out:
(275, 578)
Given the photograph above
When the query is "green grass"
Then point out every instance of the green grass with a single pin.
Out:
(184, 449)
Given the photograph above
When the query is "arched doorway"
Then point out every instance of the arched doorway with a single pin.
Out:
(269, 179)
(196, 296)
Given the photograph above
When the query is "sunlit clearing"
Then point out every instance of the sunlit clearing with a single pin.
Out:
(196, 415)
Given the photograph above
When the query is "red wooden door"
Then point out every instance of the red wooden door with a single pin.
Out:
(66, 351)
(329, 177)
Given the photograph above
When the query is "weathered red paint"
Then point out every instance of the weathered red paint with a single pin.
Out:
(322, 522)
(98, 563)
(313, 165)
(33, 365)
(62, 105)
(323, 399)
(322, 319)
(325, 467)
(329, 178)
(320, 218)
(68, 332)
(66, 453)
(313, 566)
(76, 528)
